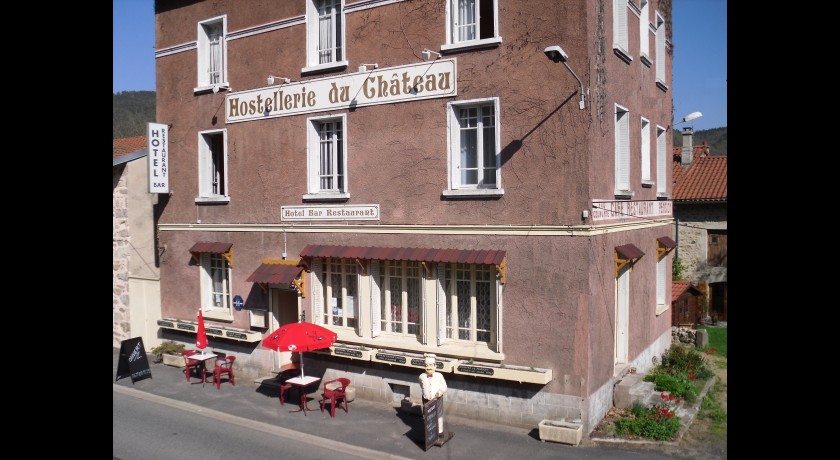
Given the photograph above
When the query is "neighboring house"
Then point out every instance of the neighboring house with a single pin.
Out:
(700, 214)
(136, 273)
(684, 303)
(424, 177)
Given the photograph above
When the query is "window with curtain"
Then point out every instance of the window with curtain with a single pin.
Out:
(473, 21)
(400, 285)
(215, 283)
(212, 53)
(341, 291)
(327, 158)
(474, 154)
(470, 292)
(325, 33)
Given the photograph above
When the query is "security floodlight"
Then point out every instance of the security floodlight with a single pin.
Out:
(427, 54)
(272, 80)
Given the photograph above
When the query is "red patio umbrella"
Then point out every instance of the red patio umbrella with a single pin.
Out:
(201, 336)
(300, 337)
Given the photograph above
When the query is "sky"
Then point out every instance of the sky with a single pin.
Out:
(699, 40)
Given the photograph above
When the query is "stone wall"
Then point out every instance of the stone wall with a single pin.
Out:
(121, 320)
(694, 221)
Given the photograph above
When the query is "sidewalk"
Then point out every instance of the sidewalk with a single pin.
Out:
(381, 428)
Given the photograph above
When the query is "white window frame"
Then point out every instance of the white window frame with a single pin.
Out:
(216, 303)
(661, 279)
(454, 30)
(454, 183)
(313, 146)
(660, 50)
(205, 48)
(342, 305)
(208, 171)
(661, 162)
(622, 152)
(448, 276)
(620, 34)
(394, 318)
(337, 58)
(645, 152)
(644, 30)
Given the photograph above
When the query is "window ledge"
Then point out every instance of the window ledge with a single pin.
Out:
(662, 196)
(472, 44)
(332, 196)
(212, 88)
(661, 85)
(647, 183)
(218, 314)
(619, 194)
(645, 60)
(474, 193)
(338, 65)
(624, 55)
(212, 199)
(661, 309)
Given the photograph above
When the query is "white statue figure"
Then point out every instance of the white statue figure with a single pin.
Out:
(432, 384)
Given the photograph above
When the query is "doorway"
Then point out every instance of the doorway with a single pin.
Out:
(285, 309)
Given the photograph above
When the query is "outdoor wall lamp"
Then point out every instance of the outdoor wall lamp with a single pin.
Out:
(364, 67)
(556, 54)
(427, 54)
(272, 80)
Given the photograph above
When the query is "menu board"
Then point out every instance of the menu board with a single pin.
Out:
(133, 361)
(432, 411)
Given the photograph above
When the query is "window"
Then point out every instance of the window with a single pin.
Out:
(644, 41)
(212, 54)
(212, 166)
(620, 27)
(471, 305)
(325, 34)
(716, 248)
(661, 280)
(473, 148)
(645, 154)
(340, 288)
(215, 283)
(660, 50)
(661, 163)
(401, 297)
(622, 152)
(472, 23)
(327, 158)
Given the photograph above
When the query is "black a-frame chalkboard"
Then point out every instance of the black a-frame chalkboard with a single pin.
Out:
(133, 361)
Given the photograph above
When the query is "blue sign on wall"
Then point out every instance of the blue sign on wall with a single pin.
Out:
(238, 303)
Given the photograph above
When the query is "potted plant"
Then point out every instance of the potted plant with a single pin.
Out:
(169, 353)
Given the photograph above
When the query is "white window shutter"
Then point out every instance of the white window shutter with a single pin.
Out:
(622, 150)
(660, 49)
(661, 161)
(375, 299)
(441, 303)
(314, 152)
(645, 150)
(660, 281)
(317, 292)
(620, 23)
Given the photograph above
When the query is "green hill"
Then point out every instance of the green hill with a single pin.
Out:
(132, 111)
(715, 137)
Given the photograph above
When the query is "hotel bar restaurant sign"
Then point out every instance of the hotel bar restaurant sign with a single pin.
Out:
(382, 86)
(157, 145)
(329, 212)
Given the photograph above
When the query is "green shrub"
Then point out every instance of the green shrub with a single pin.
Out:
(169, 347)
(675, 382)
(658, 422)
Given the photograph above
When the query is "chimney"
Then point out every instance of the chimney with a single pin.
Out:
(687, 146)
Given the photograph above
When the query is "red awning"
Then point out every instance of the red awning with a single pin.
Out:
(629, 251)
(210, 248)
(667, 242)
(465, 256)
(269, 273)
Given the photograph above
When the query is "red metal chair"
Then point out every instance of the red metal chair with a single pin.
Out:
(286, 375)
(224, 366)
(193, 364)
(335, 395)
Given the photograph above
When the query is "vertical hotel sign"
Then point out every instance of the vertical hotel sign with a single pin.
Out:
(158, 148)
